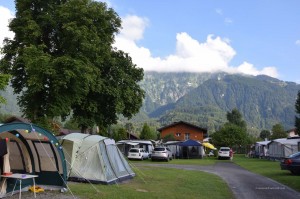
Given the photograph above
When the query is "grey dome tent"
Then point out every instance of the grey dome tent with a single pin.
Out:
(29, 149)
(95, 159)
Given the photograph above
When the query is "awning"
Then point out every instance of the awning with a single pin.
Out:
(209, 145)
(129, 143)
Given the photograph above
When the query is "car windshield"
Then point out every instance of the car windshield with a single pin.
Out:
(134, 150)
(159, 149)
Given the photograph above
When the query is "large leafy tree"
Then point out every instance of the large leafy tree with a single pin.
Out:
(234, 132)
(119, 134)
(148, 133)
(61, 60)
(230, 135)
(265, 134)
(297, 117)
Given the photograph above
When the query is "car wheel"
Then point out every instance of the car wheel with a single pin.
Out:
(167, 159)
(142, 158)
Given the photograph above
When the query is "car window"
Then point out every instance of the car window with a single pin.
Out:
(224, 149)
(134, 150)
(159, 149)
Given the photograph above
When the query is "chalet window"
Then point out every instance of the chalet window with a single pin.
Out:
(187, 136)
(178, 134)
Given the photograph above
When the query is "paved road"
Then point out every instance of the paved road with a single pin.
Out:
(244, 184)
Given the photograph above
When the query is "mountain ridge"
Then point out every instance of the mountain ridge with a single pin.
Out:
(262, 100)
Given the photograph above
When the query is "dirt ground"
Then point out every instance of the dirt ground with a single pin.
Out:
(44, 195)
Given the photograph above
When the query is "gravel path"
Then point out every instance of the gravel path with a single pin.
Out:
(244, 184)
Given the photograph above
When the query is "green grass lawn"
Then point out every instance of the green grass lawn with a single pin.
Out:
(159, 183)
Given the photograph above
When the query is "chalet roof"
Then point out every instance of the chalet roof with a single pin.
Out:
(182, 122)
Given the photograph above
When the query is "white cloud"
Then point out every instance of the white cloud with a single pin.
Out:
(133, 28)
(214, 54)
(228, 21)
(6, 15)
(248, 68)
(298, 42)
(219, 11)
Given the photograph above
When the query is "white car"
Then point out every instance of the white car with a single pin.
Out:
(224, 153)
(138, 153)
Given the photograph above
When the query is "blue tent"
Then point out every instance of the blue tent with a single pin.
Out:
(191, 149)
(190, 143)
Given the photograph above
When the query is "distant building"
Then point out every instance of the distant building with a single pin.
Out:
(183, 131)
(292, 133)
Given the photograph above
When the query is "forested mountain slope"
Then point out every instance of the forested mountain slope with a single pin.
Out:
(204, 99)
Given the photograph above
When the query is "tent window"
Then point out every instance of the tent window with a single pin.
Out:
(47, 158)
(16, 157)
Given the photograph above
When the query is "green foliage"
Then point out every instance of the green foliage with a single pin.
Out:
(265, 134)
(148, 133)
(169, 137)
(4, 117)
(61, 60)
(297, 117)
(235, 117)
(119, 134)
(4, 78)
(278, 132)
(71, 124)
(46, 123)
(230, 135)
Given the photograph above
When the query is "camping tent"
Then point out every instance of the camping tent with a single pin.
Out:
(282, 147)
(94, 159)
(29, 149)
(191, 149)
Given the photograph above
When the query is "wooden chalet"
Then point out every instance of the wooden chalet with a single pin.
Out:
(183, 131)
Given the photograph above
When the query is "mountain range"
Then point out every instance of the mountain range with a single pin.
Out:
(204, 99)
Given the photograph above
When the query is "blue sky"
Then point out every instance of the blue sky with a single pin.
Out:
(250, 36)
